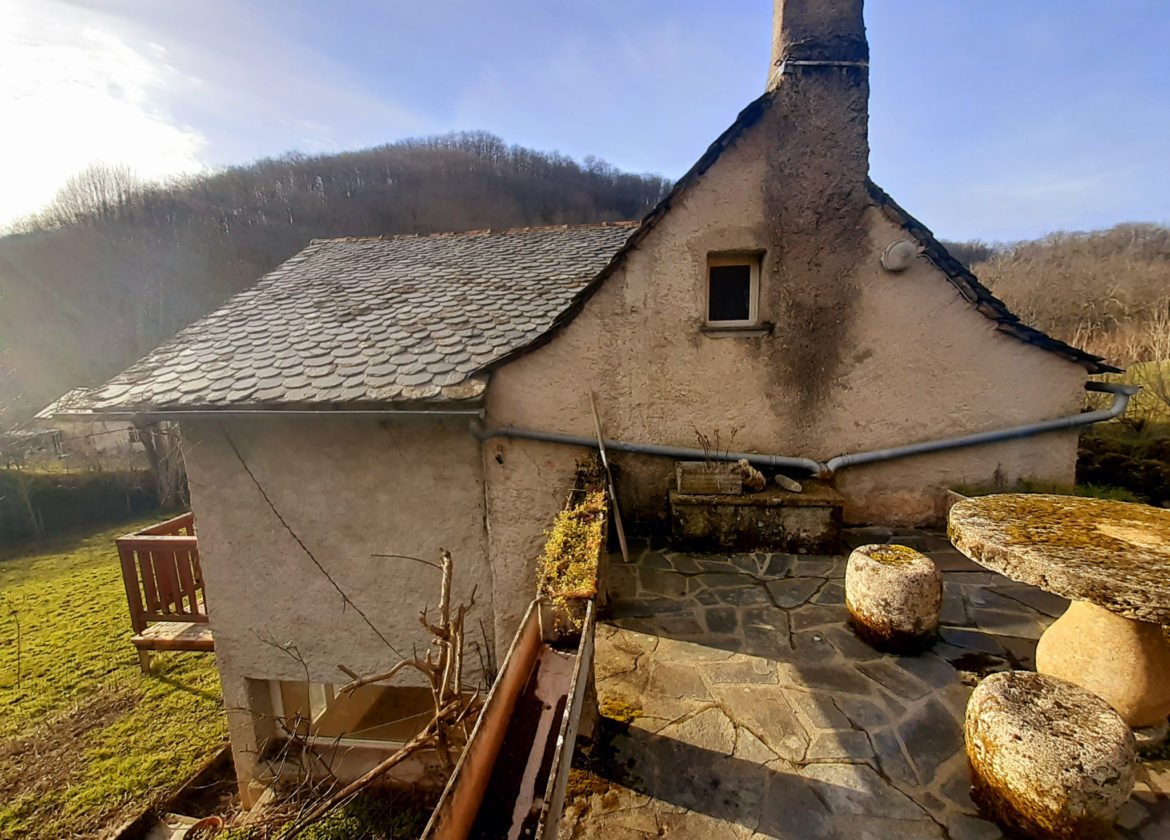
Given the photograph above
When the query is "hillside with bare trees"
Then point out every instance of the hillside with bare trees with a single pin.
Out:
(1107, 291)
(114, 267)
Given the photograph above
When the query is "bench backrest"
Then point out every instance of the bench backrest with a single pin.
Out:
(160, 568)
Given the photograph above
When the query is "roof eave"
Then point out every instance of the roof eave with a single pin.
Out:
(470, 408)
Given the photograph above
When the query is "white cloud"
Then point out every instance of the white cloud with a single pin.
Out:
(72, 93)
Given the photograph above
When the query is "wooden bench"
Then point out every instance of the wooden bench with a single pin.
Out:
(164, 588)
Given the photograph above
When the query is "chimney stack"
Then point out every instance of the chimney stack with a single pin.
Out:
(820, 31)
(816, 193)
(820, 84)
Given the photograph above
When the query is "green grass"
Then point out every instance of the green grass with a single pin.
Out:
(87, 739)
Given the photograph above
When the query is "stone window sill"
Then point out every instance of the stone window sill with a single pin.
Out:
(747, 331)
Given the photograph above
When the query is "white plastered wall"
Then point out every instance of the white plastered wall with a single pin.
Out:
(349, 489)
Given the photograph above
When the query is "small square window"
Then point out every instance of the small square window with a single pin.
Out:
(732, 291)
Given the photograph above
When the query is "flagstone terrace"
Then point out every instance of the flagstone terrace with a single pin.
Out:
(746, 707)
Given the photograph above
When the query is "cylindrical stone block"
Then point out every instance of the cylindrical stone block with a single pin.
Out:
(1048, 759)
(894, 595)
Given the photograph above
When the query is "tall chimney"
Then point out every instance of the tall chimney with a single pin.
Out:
(817, 31)
(815, 194)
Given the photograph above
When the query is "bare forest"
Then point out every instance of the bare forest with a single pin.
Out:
(1107, 291)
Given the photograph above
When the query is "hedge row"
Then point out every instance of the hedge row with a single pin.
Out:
(1140, 464)
(62, 501)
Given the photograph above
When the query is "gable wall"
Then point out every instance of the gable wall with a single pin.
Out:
(859, 359)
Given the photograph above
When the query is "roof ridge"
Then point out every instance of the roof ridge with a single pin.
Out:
(479, 232)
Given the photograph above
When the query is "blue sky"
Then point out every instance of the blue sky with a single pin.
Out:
(993, 119)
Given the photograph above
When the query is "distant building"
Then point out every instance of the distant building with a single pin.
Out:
(88, 437)
(22, 444)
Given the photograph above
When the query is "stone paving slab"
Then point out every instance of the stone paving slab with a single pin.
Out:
(748, 708)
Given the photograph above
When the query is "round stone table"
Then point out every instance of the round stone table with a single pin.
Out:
(1112, 560)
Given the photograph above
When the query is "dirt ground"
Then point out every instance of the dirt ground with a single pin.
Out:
(45, 759)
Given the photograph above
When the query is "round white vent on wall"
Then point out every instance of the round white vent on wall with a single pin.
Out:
(899, 255)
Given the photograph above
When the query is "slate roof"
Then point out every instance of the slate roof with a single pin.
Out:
(65, 404)
(347, 323)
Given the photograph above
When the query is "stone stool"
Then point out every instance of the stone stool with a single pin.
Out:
(894, 595)
(1048, 758)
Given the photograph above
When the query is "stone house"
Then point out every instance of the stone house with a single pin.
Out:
(93, 440)
(328, 412)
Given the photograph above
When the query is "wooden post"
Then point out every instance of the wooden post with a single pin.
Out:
(617, 514)
(130, 579)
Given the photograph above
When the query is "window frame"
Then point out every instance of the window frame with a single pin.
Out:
(321, 697)
(752, 261)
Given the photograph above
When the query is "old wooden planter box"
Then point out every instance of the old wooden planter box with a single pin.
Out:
(709, 478)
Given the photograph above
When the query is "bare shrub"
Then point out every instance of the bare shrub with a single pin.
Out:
(1085, 287)
(1149, 350)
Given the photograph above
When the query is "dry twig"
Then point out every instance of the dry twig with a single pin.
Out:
(454, 710)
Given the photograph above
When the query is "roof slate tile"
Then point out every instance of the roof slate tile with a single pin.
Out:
(394, 320)
(417, 318)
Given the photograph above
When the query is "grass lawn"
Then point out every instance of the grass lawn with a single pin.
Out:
(87, 739)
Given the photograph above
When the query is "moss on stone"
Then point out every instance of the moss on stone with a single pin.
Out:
(1114, 554)
(568, 566)
(1023, 731)
(1029, 486)
(584, 783)
(1065, 522)
(893, 555)
(615, 708)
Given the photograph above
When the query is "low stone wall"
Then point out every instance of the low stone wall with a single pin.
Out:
(775, 519)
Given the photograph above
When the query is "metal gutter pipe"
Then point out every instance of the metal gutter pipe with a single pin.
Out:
(684, 452)
(1121, 397)
(214, 414)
